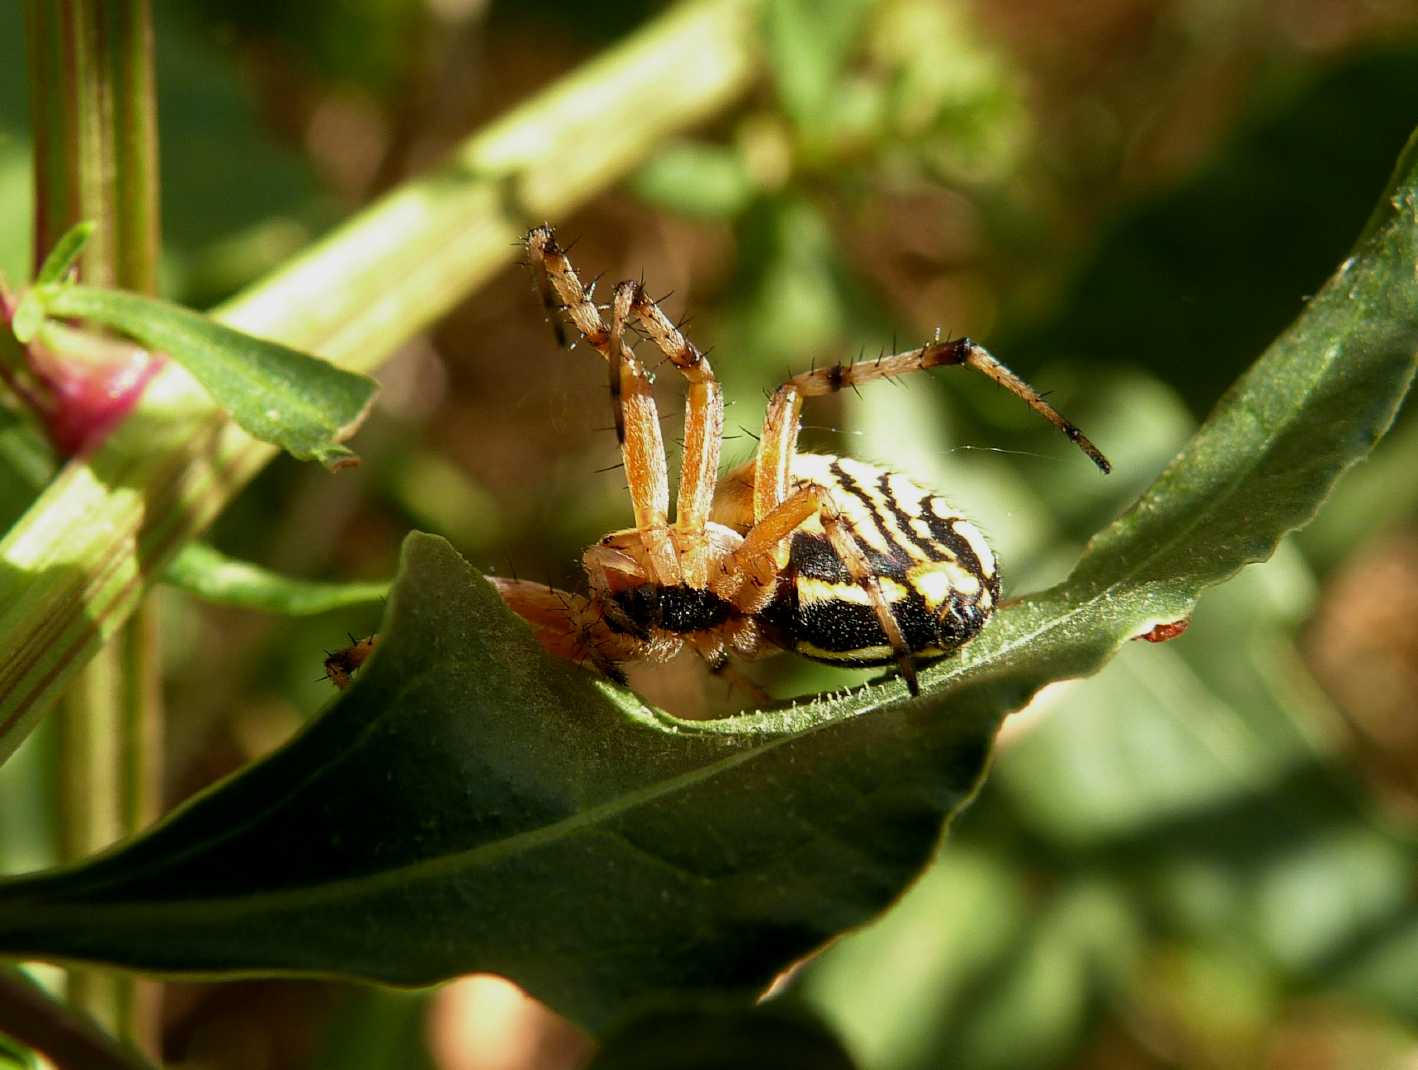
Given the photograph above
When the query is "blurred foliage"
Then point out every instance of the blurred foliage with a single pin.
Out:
(377, 1030)
(1191, 283)
(1200, 857)
(13, 1057)
(715, 1034)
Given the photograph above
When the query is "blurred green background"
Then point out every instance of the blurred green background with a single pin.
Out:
(1205, 856)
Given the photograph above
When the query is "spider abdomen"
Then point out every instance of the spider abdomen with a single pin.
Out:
(933, 566)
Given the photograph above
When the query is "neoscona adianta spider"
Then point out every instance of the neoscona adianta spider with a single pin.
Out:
(839, 561)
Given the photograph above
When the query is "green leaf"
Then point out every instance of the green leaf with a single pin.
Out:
(1194, 775)
(202, 570)
(720, 1033)
(65, 253)
(305, 405)
(472, 804)
(29, 316)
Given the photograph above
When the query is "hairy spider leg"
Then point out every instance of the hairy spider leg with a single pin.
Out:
(638, 420)
(983, 361)
(703, 427)
(568, 625)
(772, 489)
(764, 552)
(772, 470)
(551, 303)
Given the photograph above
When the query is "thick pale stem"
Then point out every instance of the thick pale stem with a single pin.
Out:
(92, 83)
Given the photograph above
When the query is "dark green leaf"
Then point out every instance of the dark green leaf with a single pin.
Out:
(204, 571)
(473, 805)
(720, 1034)
(305, 405)
(65, 252)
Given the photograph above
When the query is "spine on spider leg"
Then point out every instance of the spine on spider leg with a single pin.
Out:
(554, 274)
(967, 352)
(982, 360)
(704, 420)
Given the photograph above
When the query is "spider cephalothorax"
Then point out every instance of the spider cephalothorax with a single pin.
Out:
(837, 560)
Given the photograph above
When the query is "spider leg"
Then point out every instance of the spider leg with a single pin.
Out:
(703, 428)
(983, 361)
(546, 293)
(773, 470)
(568, 625)
(763, 552)
(637, 419)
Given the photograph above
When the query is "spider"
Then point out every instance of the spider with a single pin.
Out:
(341, 665)
(836, 560)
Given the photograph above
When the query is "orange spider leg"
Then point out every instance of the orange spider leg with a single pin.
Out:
(703, 429)
(763, 553)
(567, 625)
(638, 420)
(772, 471)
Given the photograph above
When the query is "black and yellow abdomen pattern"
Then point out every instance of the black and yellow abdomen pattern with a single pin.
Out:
(935, 569)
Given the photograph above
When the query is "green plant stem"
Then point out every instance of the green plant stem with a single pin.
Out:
(135, 144)
(68, 1039)
(92, 83)
(53, 119)
(75, 566)
(92, 764)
